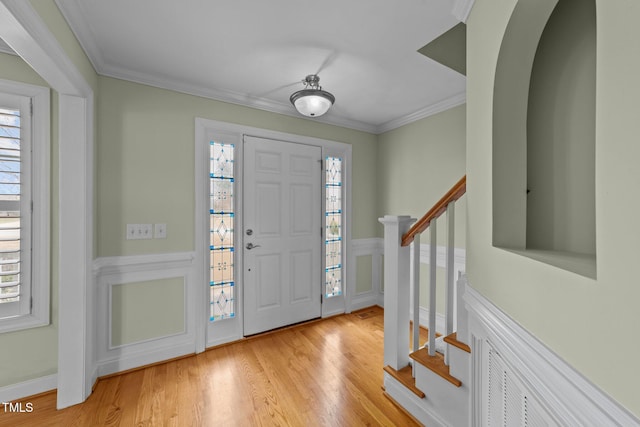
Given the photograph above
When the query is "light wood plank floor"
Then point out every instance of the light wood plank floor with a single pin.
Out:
(323, 373)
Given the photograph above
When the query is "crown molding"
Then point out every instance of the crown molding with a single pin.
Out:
(4, 48)
(430, 110)
(231, 97)
(72, 12)
(462, 9)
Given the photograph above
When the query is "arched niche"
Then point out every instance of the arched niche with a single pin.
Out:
(544, 134)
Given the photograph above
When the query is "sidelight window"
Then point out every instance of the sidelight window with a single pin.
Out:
(333, 226)
(221, 231)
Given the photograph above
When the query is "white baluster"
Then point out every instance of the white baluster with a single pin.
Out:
(432, 287)
(415, 268)
(450, 296)
(396, 291)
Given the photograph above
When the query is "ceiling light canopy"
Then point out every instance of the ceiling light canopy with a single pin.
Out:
(312, 101)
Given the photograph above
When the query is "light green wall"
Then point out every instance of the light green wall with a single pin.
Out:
(364, 265)
(418, 163)
(561, 133)
(146, 310)
(568, 312)
(146, 162)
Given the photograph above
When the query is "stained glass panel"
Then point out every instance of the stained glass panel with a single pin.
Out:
(333, 226)
(221, 231)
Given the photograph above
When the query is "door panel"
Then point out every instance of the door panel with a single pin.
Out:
(302, 205)
(282, 234)
(268, 281)
(301, 268)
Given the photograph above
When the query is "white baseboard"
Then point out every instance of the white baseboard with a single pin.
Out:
(563, 393)
(143, 358)
(28, 388)
(364, 300)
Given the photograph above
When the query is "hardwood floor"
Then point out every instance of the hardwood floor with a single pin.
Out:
(324, 373)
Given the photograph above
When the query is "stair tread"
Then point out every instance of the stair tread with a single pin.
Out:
(405, 377)
(435, 364)
(453, 340)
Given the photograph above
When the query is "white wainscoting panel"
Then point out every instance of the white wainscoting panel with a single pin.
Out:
(512, 370)
(143, 268)
(366, 247)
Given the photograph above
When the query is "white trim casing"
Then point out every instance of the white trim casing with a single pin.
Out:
(568, 397)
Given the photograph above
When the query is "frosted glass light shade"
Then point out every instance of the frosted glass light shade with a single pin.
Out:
(312, 102)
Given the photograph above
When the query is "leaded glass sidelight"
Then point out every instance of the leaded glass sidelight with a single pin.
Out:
(333, 226)
(221, 232)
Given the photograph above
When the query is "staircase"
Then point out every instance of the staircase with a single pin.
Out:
(432, 383)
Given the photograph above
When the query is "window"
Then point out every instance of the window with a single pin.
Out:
(24, 206)
(221, 216)
(333, 226)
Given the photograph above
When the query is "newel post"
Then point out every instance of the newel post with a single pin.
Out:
(396, 291)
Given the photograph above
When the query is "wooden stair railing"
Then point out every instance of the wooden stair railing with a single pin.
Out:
(402, 275)
(457, 191)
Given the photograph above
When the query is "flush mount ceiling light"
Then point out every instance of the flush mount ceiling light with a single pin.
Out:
(312, 101)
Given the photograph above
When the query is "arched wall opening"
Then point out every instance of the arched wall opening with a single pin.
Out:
(544, 134)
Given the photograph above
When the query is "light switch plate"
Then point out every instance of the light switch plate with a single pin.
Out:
(139, 231)
(160, 231)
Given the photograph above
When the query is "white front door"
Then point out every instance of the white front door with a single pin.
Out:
(282, 238)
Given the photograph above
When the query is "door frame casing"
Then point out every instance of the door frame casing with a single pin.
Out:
(206, 130)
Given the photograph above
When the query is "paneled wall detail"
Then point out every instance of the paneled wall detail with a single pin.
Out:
(151, 294)
(519, 381)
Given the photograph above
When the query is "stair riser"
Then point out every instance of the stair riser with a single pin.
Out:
(459, 364)
(452, 402)
(422, 409)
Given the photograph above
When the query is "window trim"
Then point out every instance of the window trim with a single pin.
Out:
(39, 314)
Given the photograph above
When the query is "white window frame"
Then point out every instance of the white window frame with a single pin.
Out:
(34, 305)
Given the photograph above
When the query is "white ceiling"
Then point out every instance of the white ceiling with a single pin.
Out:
(256, 52)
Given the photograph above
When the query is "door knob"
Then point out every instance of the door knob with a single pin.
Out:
(251, 246)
